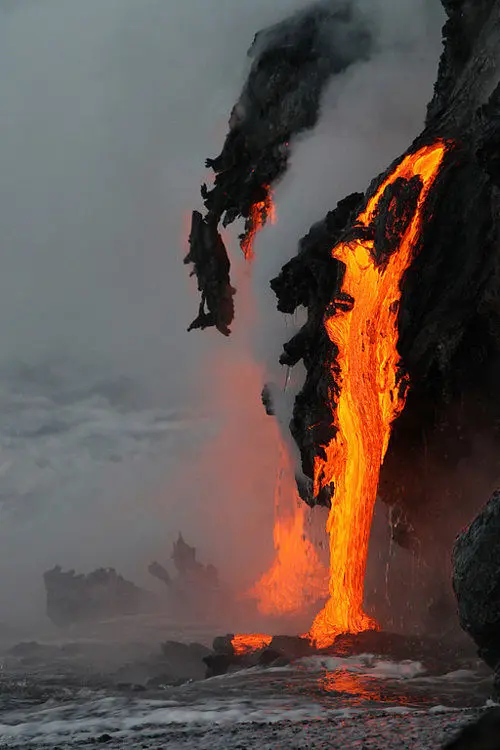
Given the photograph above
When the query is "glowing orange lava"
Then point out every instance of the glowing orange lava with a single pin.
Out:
(297, 578)
(371, 397)
(245, 644)
(260, 213)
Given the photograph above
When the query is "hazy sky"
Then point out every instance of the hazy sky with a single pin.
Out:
(108, 112)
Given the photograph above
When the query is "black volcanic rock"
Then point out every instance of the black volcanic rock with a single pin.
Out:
(291, 64)
(73, 597)
(483, 734)
(449, 316)
(476, 581)
(437, 655)
(449, 313)
(211, 267)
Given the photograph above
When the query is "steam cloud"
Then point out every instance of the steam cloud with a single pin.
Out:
(109, 111)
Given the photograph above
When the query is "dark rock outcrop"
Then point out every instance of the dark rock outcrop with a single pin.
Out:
(437, 655)
(292, 62)
(483, 734)
(73, 597)
(449, 316)
(476, 581)
(449, 313)
(191, 573)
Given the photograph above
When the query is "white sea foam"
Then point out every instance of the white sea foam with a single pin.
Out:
(365, 664)
(120, 716)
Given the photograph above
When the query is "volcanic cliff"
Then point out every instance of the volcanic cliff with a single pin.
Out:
(448, 309)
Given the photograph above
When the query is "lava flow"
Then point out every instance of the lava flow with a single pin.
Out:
(246, 643)
(260, 212)
(297, 579)
(371, 395)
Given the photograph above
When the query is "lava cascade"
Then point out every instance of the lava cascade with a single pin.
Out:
(370, 395)
(297, 579)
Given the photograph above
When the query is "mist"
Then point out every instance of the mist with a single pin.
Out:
(108, 113)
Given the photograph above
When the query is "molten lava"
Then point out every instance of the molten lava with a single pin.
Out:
(245, 644)
(297, 578)
(371, 395)
(260, 212)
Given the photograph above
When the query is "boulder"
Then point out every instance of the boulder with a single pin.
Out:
(483, 734)
(476, 581)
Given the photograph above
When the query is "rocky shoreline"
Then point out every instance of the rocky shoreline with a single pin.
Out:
(386, 731)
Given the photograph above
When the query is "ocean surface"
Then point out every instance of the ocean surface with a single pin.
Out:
(84, 455)
(95, 689)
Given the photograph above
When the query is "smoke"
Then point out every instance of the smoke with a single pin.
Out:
(370, 115)
(108, 113)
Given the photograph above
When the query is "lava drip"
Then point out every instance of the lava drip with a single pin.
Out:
(368, 388)
(259, 213)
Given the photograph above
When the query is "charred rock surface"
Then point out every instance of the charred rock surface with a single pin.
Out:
(292, 62)
(483, 734)
(476, 581)
(130, 667)
(211, 267)
(449, 318)
(73, 597)
(437, 655)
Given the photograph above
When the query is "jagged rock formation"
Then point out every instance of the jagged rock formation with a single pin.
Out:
(73, 597)
(449, 314)
(192, 575)
(292, 63)
(476, 581)
(449, 320)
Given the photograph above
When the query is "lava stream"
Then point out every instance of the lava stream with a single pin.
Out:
(260, 212)
(246, 643)
(297, 579)
(371, 397)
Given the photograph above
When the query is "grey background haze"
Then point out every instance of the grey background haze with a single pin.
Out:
(108, 111)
